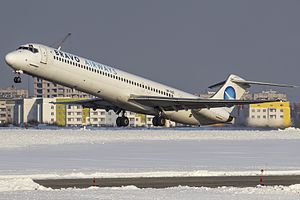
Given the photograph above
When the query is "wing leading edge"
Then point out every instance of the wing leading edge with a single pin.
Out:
(164, 103)
(90, 103)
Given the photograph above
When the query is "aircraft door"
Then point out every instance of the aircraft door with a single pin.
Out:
(44, 55)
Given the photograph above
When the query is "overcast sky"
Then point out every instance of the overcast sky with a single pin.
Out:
(185, 44)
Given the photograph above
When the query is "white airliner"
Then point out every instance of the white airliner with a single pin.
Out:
(122, 91)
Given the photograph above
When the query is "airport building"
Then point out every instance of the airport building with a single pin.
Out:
(46, 89)
(42, 111)
(295, 114)
(13, 93)
(34, 111)
(265, 95)
(7, 103)
(273, 114)
(6, 111)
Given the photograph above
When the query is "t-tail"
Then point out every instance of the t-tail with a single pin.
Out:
(234, 87)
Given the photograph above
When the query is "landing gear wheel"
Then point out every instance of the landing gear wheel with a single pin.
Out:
(158, 121)
(125, 121)
(155, 121)
(161, 121)
(122, 121)
(17, 79)
(118, 122)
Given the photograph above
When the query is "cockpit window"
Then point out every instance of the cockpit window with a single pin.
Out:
(30, 48)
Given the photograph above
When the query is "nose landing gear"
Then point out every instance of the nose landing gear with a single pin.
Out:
(18, 79)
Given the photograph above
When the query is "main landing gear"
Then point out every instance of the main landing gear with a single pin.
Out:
(158, 121)
(123, 120)
(17, 79)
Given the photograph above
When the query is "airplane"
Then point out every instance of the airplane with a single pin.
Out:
(120, 91)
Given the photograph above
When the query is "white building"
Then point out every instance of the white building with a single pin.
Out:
(41, 111)
(34, 110)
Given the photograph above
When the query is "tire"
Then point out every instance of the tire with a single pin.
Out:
(119, 121)
(19, 80)
(125, 121)
(155, 121)
(161, 121)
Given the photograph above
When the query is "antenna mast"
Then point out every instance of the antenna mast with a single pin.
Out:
(63, 41)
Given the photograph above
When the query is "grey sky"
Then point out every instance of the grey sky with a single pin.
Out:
(185, 44)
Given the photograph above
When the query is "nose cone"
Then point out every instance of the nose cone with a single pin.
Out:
(9, 58)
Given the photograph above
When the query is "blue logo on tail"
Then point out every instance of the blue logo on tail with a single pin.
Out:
(229, 93)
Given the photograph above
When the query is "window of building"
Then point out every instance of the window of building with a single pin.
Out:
(39, 91)
(272, 116)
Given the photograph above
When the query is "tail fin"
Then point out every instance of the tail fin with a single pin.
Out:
(234, 87)
(230, 89)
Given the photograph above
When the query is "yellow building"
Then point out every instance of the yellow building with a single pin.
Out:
(73, 115)
(272, 114)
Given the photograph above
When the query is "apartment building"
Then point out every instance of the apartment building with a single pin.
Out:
(46, 89)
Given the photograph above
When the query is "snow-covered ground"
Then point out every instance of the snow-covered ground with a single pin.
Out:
(12, 138)
(70, 153)
(131, 192)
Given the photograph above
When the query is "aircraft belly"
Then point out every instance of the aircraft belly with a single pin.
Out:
(211, 116)
(182, 116)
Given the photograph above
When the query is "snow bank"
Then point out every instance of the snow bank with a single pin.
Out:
(27, 184)
(13, 138)
(16, 184)
(195, 173)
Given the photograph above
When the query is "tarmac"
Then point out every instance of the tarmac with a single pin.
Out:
(165, 182)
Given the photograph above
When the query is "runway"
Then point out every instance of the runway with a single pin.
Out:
(165, 182)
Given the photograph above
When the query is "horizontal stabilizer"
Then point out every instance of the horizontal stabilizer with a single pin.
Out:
(240, 81)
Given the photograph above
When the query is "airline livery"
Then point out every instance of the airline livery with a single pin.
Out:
(121, 91)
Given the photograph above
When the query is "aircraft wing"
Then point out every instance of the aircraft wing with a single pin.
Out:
(90, 103)
(174, 104)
